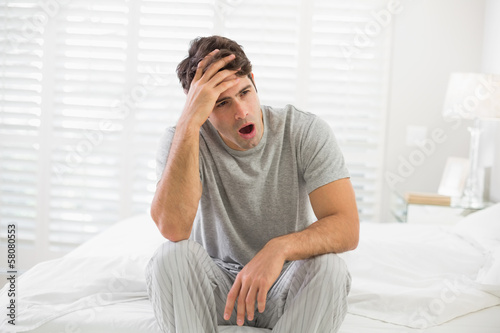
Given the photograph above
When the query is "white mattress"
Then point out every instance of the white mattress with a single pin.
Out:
(405, 279)
(137, 317)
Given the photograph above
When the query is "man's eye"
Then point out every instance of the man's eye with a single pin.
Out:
(221, 104)
(245, 92)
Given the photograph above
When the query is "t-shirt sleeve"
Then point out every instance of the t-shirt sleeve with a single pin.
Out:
(321, 160)
(163, 151)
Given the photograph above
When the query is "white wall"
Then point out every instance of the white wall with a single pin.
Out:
(431, 40)
(491, 64)
(491, 46)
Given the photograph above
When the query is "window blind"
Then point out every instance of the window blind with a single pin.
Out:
(85, 97)
(269, 33)
(21, 60)
(348, 84)
(88, 75)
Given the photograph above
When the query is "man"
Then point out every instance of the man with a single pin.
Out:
(235, 182)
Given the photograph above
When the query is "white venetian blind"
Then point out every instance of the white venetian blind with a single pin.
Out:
(348, 77)
(85, 98)
(21, 57)
(272, 44)
(89, 73)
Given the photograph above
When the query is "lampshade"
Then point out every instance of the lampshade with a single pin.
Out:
(472, 96)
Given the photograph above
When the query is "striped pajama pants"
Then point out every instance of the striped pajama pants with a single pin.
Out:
(188, 292)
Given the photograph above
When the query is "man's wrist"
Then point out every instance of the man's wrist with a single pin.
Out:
(283, 247)
(188, 127)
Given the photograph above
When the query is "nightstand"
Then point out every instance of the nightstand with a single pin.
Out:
(426, 213)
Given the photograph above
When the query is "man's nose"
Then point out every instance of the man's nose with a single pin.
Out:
(240, 110)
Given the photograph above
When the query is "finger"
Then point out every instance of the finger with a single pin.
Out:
(226, 85)
(201, 65)
(224, 77)
(231, 299)
(216, 66)
(261, 300)
(227, 76)
(250, 302)
(240, 314)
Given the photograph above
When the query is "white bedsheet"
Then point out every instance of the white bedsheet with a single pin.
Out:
(137, 317)
(415, 276)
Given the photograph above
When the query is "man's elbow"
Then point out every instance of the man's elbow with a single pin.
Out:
(172, 235)
(167, 228)
(355, 233)
(354, 242)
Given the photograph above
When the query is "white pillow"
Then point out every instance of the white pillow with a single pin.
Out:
(481, 228)
(488, 276)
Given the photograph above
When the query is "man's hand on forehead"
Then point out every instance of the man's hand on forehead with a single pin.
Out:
(210, 80)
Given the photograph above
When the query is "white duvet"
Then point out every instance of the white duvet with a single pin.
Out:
(410, 275)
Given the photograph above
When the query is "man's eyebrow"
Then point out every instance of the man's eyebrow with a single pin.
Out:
(239, 92)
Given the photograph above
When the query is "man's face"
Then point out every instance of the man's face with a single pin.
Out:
(237, 116)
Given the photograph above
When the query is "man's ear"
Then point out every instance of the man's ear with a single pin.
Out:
(253, 81)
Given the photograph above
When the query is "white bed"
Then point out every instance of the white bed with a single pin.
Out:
(406, 278)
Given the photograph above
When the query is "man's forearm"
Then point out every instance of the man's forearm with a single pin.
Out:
(179, 191)
(331, 234)
(334, 233)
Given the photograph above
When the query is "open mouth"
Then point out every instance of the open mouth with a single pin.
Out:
(247, 129)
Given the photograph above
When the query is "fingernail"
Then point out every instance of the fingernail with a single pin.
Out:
(226, 316)
(240, 322)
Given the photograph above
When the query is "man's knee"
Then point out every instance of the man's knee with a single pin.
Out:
(175, 257)
(331, 269)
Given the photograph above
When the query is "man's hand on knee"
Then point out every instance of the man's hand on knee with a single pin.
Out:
(253, 283)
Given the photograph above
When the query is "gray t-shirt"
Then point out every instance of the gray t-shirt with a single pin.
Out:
(252, 196)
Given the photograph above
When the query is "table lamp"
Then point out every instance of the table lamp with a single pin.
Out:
(473, 97)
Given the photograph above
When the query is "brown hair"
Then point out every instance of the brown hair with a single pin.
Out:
(201, 46)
